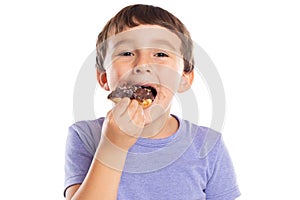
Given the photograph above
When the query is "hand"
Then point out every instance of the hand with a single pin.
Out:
(124, 123)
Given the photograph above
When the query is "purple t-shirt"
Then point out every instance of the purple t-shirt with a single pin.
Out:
(193, 163)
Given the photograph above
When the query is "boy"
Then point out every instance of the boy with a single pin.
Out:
(146, 153)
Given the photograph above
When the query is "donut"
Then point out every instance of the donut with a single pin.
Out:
(145, 95)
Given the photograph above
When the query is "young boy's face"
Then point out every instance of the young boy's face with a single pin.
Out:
(147, 55)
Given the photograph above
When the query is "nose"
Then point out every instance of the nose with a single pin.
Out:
(142, 62)
(145, 68)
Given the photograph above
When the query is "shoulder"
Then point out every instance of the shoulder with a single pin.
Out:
(89, 132)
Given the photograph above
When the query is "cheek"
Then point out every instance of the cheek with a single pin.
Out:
(112, 78)
(170, 77)
(115, 74)
(180, 64)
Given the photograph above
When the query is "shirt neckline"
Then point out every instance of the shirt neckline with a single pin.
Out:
(161, 141)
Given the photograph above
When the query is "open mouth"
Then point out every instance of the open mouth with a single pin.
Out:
(144, 94)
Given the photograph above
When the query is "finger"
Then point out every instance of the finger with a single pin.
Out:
(139, 117)
(123, 113)
(131, 110)
(133, 125)
(137, 123)
(120, 107)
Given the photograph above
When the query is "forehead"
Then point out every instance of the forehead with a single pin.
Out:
(146, 36)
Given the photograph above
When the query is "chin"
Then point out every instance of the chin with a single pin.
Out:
(155, 113)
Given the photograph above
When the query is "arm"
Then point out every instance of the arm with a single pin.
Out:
(222, 182)
(101, 182)
(103, 177)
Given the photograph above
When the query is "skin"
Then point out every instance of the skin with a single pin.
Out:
(134, 58)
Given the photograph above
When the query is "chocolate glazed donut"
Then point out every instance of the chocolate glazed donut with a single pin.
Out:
(145, 95)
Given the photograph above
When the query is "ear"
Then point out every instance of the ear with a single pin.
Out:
(186, 81)
(102, 79)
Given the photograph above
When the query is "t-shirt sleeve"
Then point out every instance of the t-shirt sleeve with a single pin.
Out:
(222, 183)
(77, 160)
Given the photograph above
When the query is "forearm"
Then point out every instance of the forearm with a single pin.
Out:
(103, 178)
(101, 182)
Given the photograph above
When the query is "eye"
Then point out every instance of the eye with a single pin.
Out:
(161, 54)
(127, 53)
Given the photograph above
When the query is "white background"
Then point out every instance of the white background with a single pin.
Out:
(255, 46)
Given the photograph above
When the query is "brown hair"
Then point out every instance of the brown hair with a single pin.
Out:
(134, 15)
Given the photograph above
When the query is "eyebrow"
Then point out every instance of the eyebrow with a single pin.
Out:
(121, 42)
(159, 43)
(165, 43)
